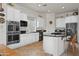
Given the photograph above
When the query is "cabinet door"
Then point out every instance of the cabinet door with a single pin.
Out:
(13, 14)
(10, 13)
(60, 46)
(60, 22)
(31, 38)
(31, 24)
(23, 16)
(55, 45)
(71, 19)
(36, 36)
(50, 45)
(23, 39)
(17, 15)
(66, 44)
(40, 23)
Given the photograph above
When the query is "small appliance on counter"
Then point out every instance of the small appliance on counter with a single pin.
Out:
(59, 31)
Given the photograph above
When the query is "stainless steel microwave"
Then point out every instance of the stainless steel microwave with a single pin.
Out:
(23, 23)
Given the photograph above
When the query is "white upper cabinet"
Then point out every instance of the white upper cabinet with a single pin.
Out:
(71, 19)
(31, 24)
(10, 13)
(60, 22)
(40, 23)
(13, 14)
(23, 17)
(17, 15)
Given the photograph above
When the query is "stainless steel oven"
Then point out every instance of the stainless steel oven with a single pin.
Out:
(13, 32)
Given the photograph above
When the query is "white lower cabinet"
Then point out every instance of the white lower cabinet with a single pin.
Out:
(28, 38)
(66, 44)
(37, 37)
(47, 46)
(31, 38)
(53, 45)
(50, 45)
(10, 13)
(60, 46)
(25, 39)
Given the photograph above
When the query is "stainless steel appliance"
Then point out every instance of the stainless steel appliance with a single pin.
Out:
(13, 32)
(71, 29)
(23, 26)
(40, 34)
(23, 23)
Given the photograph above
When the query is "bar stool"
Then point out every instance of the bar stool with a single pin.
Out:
(72, 43)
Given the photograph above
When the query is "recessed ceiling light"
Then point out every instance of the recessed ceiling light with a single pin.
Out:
(62, 7)
(48, 10)
(43, 5)
(39, 5)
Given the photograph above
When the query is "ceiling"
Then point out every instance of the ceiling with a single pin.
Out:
(51, 7)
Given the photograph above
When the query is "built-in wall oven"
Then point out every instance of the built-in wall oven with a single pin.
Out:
(23, 26)
(13, 32)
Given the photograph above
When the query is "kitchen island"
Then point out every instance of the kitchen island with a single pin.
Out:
(54, 44)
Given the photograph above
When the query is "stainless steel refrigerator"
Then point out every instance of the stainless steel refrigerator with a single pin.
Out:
(71, 29)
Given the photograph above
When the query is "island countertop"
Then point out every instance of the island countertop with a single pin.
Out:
(53, 35)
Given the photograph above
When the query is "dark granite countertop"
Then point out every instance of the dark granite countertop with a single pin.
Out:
(53, 35)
